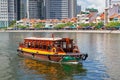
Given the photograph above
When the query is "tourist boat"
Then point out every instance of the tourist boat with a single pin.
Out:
(51, 49)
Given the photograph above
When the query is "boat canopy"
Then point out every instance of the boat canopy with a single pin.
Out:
(65, 44)
(44, 39)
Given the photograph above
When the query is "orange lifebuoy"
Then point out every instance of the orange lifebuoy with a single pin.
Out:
(54, 50)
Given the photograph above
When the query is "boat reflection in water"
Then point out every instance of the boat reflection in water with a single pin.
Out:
(53, 71)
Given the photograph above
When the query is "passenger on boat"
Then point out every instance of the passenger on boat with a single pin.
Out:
(29, 44)
(75, 49)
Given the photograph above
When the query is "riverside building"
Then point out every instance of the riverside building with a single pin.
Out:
(35, 9)
(17, 9)
(31, 9)
(60, 9)
(7, 12)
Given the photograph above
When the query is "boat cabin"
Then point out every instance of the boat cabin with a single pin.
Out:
(56, 44)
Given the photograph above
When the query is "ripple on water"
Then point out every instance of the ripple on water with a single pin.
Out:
(103, 62)
(95, 70)
(5, 71)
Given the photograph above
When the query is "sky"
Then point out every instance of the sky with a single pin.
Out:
(97, 4)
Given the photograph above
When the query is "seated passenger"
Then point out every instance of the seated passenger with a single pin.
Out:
(75, 49)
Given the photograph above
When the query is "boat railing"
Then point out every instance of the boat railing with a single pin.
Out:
(21, 44)
(60, 49)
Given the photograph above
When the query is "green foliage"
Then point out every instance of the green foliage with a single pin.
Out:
(22, 27)
(83, 24)
(69, 24)
(12, 23)
(99, 25)
(91, 10)
(94, 25)
(113, 24)
(39, 25)
(84, 12)
(59, 26)
(86, 24)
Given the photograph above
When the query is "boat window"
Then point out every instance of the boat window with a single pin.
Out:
(69, 46)
(49, 48)
(59, 49)
(64, 44)
(26, 45)
(40, 46)
(32, 45)
(36, 46)
(58, 46)
(55, 45)
(44, 46)
(29, 44)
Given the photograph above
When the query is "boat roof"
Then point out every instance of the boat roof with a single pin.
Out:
(48, 39)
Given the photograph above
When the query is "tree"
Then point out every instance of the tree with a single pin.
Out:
(86, 24)
(12, 23)
(22, 27)
(113, 24)
(59, 26)
(99, 25)
(69, 24)
(39, 25)
(91, 10)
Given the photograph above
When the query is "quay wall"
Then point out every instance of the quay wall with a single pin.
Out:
(81, 31)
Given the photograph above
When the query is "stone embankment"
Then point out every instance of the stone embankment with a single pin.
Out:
(81, 31)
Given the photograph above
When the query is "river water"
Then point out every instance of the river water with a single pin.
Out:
(103, 62)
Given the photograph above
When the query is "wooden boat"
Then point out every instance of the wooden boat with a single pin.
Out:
(51, 49)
